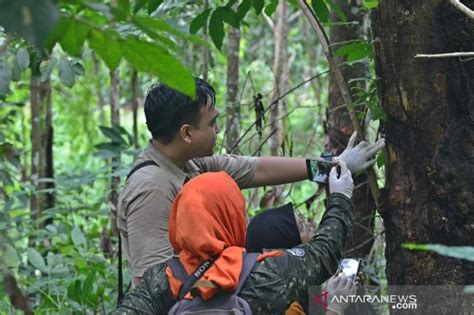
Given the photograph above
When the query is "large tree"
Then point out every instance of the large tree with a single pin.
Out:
(429, 103)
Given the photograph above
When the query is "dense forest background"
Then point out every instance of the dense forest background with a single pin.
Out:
(293, 78)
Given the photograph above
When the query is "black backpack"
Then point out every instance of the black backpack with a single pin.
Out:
(223, 303)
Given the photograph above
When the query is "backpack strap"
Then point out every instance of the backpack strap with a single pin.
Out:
(119, 253)
(139, 166)
(247, 266)
(189, 281)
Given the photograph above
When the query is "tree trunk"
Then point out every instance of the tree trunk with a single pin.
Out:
(135, 97)
(232, 108)
(205, 50)
(98, 90)
(280, 70)
(41, 147)
(429, 136)
(115, 119)
(339, 127)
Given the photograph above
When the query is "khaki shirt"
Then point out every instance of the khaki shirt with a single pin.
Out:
(144, 203)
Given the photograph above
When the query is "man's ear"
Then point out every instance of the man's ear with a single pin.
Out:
(185, 133)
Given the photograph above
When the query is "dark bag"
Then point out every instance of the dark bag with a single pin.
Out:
(223, 303)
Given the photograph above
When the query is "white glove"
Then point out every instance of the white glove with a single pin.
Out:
(344, 183)
(340, 285)
(357, 157)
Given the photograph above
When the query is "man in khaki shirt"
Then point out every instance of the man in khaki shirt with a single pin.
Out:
(184, 135)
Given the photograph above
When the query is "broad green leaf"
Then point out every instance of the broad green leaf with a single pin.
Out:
(22, 58)
(338, 11)
(113, 134)
(147, 25)
(460, 252)
(74, 38)
(11, 256)
(321, 10)
(57, 32)
(271, 7)
(78, 237)
(370, 4)
(46, 67)
(139, 5)
(66, 72)
(124, 6)
(153, 5)
(88, 284)
(199, 21)
(106, 45)
(32, 20)
(16, 72)
(216, 28)
(258, 5)
(243, 8)
(355, 51)
(5, 77)
(152, 59)
(100, 7)
(229, 16)
(36, 259)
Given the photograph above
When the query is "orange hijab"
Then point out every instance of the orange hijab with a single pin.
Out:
(208, 219)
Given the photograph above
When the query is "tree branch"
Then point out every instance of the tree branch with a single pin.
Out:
(448, 55)
(461, 7)
(324, 40)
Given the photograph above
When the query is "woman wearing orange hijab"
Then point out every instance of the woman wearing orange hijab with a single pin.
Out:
(208, 220)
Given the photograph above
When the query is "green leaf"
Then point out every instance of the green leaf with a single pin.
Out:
(243, 8)
(199, 21)
(460, 252)
(258, 5)
(5, 77)
(106, 45)
(66, 72)
(78, 237)
(216, 28)
(36, 259)
(46, 67)
(153, 5)
(16, 72)
(229, 16)
(124, 6)
(22, 58)
(336, 8)
(57, 32)
(139, 5)
(270, 8)
(152, 27)
(74, 38)
(321, 10)
(370, 4)
(380, 160)
(113, 134)
(152, 59)
(11, 256)
(355, 51)
(32, 20)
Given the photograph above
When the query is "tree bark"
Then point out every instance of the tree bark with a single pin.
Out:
(41, 146)
(232, 108)
(429, 136)
(339, 127)
(115, 120)
(135, 98)
(280, 70)
(205, 50)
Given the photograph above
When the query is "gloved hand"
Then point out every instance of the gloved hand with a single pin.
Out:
(344, 183)
(357, 157)
(339, 285)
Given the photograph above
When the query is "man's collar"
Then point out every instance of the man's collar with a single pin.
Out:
(154, 154)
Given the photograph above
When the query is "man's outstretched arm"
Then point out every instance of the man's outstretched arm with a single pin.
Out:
(283, 170)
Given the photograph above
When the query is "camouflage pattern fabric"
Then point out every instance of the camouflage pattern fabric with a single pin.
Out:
(275, 282)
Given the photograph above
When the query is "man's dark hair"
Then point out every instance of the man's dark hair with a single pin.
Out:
(166, 110)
